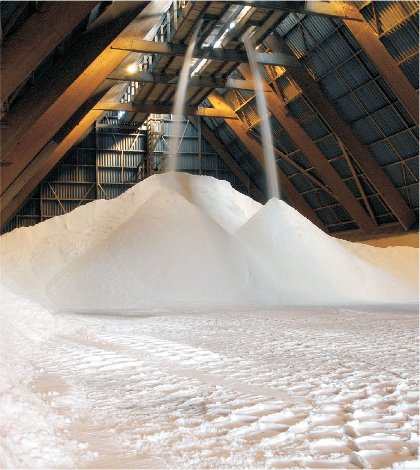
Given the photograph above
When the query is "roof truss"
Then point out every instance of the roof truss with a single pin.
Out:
(179, 50)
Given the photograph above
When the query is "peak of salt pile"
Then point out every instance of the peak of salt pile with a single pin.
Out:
(325, 271)
(32, 256)
(187, 241)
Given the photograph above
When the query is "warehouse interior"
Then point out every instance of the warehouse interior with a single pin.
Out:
(202, 317)
(86, 106)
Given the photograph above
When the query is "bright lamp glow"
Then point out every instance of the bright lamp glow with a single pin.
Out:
(132, 68)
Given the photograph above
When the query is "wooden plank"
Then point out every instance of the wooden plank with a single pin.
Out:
(311, 151)
(39, 35)
(255, 149)
(344, 132)
(163, 109)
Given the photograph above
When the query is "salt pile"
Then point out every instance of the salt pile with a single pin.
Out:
(168, 254)
(324, 268)
(190, 242)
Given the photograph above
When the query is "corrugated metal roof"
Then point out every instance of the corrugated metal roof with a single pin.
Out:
(411, 71)
(351, 81)
(397, 24)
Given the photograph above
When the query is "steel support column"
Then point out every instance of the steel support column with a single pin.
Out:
(21, 188)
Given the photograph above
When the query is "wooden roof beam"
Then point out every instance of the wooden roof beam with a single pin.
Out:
(38, 36)
(195, 81)
(384, 63)
(164, 109)
(225, 155)
(6, 28)
(17, 193)
(311, 151)
(345, 133)
(383, 231)
(255, 149)
(44, 110)
(210, 53)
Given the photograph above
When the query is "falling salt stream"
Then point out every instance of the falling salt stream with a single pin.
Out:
(267, 140)
(178, 109)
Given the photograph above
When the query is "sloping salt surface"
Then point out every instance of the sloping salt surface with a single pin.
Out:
(216, 198)
(168, 254)
(23, 326)
(32, 256)
(400, 261)
(302, 255)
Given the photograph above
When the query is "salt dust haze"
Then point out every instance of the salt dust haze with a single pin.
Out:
(178, 107)
(184, 325)
(266, 133)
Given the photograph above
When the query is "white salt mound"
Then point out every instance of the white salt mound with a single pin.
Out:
(400, 261)
(32, 256)
(169, 253)
(302, 254)
(182, 241)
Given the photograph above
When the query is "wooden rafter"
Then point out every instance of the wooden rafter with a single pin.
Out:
(20, 8)
(39, 35)
(384, 63)
(256, 150)
(163, 109)
(178, 50)
(312, 153)
(332, 9)
(41, 113)
(346, 135)
(172, 79)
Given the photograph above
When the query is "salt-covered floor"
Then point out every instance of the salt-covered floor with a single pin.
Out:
(287, 388)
